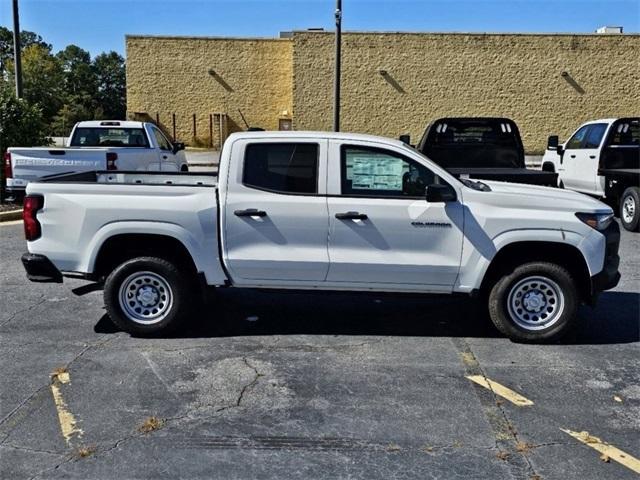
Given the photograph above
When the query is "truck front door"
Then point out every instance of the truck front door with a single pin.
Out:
(572, 170)
(167, 161)
(382, 231)
(275, 214)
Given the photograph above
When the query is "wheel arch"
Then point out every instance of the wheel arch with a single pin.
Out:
(121, 247)
(520, 252)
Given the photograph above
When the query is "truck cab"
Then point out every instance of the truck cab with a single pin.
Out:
(601, 159)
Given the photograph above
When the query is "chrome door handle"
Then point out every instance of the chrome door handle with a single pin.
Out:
(250, 212)
(351, 216)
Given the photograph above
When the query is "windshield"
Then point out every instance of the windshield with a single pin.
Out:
(109, 137)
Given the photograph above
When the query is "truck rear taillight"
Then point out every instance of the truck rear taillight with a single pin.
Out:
(111, 160)
(8, 171)
(31, 205)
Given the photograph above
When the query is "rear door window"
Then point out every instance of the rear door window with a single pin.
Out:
(594, 137)
(282, 167)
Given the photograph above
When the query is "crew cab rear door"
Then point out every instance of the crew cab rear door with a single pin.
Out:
(275, 212)
(382, 231)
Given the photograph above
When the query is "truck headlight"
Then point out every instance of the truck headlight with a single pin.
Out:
(599, 221)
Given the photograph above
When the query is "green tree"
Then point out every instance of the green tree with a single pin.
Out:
(6, 45)
(42, 80)
(74, 110)
(21, 124)
(79, 77)
(112, 89)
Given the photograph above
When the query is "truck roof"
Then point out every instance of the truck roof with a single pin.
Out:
(315, 134)
(109, 123)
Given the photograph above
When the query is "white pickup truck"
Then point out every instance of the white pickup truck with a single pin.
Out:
(602, 159)
(322, 211)
(96, 145)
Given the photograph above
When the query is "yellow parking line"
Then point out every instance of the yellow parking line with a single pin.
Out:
(607, 451)
(12, 222)
(68, 424)
(501, 390)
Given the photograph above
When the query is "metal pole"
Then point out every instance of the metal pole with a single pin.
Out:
(336, 81)
(17, 59)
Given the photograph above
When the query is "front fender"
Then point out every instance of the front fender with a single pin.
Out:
(472, 272)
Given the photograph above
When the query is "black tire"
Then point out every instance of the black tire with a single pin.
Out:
(184, 168)
(145, 283)
(630, 200)
(556, 297)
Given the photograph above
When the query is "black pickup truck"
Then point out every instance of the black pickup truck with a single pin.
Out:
(482, 148)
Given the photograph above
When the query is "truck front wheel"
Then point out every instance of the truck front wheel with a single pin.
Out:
(629, 211)
(147, 296)
(535, 302)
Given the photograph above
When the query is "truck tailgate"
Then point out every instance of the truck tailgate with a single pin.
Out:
(29, 164)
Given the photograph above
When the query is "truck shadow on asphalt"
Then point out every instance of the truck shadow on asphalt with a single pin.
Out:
(253, 312)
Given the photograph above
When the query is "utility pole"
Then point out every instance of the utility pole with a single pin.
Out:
(17, 59)
(336, 81)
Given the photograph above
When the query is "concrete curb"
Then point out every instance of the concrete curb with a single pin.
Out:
(10, 216)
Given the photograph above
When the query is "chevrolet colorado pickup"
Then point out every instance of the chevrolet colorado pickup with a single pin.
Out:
(322, 211)
(602, 158)
(96, 145)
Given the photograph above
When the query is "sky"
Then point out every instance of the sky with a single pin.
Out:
(101, 25)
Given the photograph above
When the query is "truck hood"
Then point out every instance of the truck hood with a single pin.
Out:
(538, 197)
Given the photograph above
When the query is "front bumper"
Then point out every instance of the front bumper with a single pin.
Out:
(609, 277)
(40, 269)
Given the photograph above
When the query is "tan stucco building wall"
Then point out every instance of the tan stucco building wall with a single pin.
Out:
(392, 83)
(167, 75)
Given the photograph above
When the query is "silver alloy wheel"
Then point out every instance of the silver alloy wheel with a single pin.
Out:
(535, 303)
(145, 297)
(628, 208)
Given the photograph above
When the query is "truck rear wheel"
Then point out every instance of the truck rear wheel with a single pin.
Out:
(629, 209)
(535, 302)
(147, 296)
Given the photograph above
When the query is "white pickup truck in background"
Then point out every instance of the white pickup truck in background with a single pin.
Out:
(602, 159)
(96, 145)
(322, 211)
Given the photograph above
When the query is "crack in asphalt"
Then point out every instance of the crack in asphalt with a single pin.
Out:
(42, 299)
(250, 384)
(31, 450)
(473, 367)
(30, 397)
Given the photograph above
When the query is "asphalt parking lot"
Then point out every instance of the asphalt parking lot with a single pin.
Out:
(272, 385)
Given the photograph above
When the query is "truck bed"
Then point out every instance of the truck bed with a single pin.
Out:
(513, 175)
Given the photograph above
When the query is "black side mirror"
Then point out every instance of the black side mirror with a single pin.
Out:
(552, 142)
(438, 193)
(560, 150)
(406, 138)
(177, 146)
